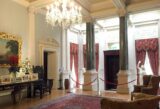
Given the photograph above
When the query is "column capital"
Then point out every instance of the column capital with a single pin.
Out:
(122, 12)
(90, 19)
(31, 10)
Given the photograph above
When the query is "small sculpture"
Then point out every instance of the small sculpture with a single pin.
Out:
(141, 71)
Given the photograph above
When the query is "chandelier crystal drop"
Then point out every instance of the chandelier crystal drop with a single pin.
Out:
(63, 13)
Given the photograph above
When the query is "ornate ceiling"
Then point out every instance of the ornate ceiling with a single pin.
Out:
(30, 0)
(98, 9)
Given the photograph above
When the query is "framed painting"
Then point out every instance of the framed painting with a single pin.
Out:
(10, 50)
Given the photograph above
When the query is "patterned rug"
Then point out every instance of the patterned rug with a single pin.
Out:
(72, 101)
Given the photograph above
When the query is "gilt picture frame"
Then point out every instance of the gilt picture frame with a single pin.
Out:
(10, 50)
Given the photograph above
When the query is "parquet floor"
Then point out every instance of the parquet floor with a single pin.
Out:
(30, 102)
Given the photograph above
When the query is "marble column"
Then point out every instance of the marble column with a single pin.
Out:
(90, 73)
(63, 55)
(123, 75)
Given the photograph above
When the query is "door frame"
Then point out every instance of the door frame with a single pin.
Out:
(51, 46)
(108, 53)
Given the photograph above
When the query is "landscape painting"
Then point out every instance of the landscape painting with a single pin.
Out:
(9, 51)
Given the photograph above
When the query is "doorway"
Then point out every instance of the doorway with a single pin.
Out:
(50, 66)
(45, 64)
(111, 68)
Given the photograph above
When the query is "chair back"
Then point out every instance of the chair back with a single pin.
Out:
(154, 84)
(146, 79)
(145, 103)
(39, 70)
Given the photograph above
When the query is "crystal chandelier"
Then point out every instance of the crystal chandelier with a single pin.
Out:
(63, 13)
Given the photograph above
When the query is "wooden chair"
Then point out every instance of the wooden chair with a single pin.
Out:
(46, 84)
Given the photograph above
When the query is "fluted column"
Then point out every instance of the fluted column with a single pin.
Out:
(90, 73)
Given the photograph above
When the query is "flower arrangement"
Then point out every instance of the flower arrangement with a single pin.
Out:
(26, 66)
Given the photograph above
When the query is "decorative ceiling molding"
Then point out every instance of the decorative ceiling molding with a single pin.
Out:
(97, 9)
(49, 42)
(99, 25)
(119, 4)
(22, 2)
(147, 5)
(84, 4)
(104, 13)
(40, 4)
(101, 5)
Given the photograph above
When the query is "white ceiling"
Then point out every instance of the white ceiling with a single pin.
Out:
(98, 9)
(101, 9)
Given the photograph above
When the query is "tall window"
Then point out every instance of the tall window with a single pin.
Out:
(147, 66)
(146, 31)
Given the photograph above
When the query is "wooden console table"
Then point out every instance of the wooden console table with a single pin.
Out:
(18, 86)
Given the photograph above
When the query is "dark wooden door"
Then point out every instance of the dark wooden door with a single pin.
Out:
(45, 63)
(111, 68)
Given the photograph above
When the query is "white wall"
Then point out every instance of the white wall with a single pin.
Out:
(44, 30)
(14, 20)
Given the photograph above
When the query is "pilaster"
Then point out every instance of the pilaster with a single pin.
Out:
(64, 48)
(31, 37)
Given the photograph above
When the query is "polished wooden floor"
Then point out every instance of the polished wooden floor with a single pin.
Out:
(26, 103)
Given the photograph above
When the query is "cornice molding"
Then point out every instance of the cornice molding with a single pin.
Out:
(104, 13)
(148, 5)
(101, 5)
(119, 4)
(84, 4)
(40, 3)
(22, 2)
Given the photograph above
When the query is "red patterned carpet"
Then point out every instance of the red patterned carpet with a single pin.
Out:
(72, 101)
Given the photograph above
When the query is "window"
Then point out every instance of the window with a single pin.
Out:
(147, 66)
(113, 46)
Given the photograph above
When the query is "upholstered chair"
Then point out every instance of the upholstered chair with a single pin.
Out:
(150, 85)
(149, 102)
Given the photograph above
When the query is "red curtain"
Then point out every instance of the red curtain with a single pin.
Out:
(71, 55)
(97, 55)
(140, 51)
(151, 46)
(153, 55)
(76, 64)
(74, 48)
